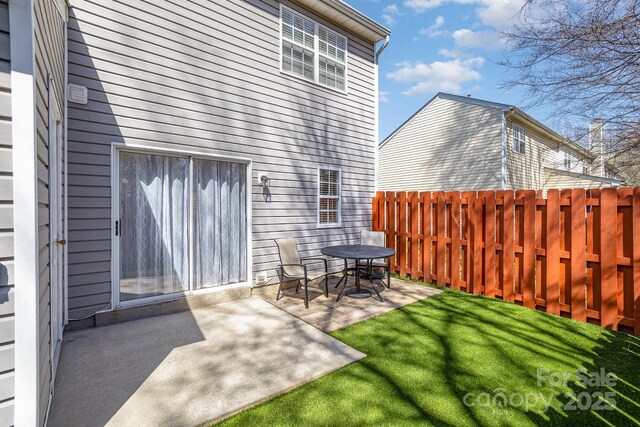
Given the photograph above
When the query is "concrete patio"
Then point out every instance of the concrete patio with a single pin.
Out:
(202, 365)
(328, 315)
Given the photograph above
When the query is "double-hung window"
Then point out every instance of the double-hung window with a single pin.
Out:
(566, 160)
(312, 51)
(518, 139)
(329, 197)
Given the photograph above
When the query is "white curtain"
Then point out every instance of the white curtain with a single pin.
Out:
(220, 223)
(154, 215)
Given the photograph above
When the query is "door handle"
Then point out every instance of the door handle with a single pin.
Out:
(61, 242)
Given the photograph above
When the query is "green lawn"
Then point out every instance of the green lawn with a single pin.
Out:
(423, 359)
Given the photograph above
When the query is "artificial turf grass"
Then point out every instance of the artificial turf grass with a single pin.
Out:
(423, 359)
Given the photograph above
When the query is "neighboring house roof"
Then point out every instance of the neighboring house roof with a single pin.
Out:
(554, 171)
(550, 133)
(348, 17)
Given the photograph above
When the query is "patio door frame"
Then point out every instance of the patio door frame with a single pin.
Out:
(166, 149)
(57, 229)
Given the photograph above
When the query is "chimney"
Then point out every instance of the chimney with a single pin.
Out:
(596, 146)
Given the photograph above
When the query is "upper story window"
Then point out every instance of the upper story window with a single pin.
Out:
(518, 139)
(329, 197)
(566, 160)
(312, 51)
(585, 169)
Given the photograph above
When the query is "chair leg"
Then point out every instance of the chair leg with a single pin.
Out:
(326, 285)
(306, 293)
(298, 286)
(278, 296)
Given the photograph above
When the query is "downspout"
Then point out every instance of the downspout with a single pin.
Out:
(503, 153)
(376, 114)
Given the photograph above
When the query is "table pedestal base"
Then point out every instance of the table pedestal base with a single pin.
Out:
(358, 293)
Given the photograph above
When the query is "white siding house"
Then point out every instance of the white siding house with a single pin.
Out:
(462, 143)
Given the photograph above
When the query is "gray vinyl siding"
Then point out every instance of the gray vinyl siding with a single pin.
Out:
(448, 145)
(49, 60)
(206, 74)
(7, 308)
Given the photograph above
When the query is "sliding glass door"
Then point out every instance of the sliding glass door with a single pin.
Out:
(219, 223)
(182, 224)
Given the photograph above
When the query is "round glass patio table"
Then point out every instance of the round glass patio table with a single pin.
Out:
(357, 253)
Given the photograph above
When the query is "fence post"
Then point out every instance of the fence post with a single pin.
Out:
(375, 212)
(608, 258)
(552, 252)
(578, 252)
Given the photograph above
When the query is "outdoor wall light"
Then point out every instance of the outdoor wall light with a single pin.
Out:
(263, 181)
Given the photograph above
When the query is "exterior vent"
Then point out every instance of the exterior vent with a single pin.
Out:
(77, 94)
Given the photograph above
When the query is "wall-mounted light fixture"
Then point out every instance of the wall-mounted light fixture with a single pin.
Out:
(263, 180)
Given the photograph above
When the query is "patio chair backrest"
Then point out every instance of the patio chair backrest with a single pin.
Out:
(372, 238)
(288, 251)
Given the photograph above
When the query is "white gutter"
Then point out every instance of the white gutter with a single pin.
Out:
(376, 114)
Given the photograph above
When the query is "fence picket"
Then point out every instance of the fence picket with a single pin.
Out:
(507, 245)
(552, 252)
(489, 243)
(454, 252)
(426, 233)
(578, 249)
(608, 258)
(440, 238)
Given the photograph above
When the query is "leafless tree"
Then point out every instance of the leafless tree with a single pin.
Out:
(582, 57)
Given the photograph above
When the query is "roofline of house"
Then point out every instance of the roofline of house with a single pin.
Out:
(348, 17)
(553, 134)
(399, 128)
(505, 108)
(584, 176)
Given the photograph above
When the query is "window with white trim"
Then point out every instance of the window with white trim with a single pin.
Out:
(312, 51)
(329, 197)
(566, 160)
(518, 136)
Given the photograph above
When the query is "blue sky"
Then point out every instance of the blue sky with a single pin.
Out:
(442, 45)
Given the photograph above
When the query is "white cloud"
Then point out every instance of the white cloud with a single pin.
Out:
(499, 13)
(420, 6)
(494, 13)
(448, 76)
(488, 40)
(433, 29)
(383, 96)
(390, 13)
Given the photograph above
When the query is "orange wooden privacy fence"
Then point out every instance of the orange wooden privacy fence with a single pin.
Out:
(575, 253)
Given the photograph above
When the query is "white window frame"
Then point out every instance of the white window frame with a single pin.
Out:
(171, 150)
(521, 131)
(338, 197)
(316, 53)
(566, 157)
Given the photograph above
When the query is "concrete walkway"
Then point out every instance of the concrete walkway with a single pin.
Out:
(189, 368)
